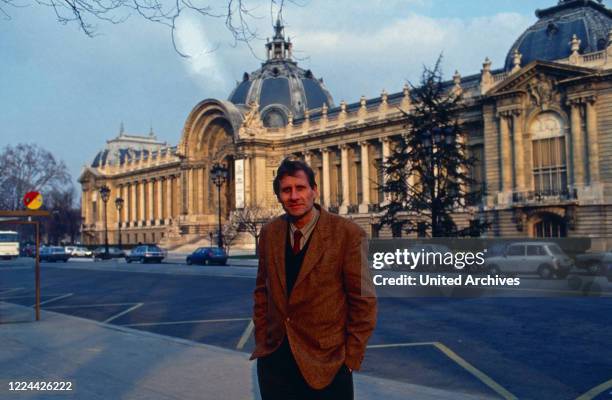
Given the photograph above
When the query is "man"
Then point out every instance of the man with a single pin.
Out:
(314, 301)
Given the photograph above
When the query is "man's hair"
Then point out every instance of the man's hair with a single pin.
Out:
(291, 167)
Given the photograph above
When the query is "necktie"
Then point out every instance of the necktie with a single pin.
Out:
(297, 236)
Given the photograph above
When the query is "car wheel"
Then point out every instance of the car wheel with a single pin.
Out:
(494, 269)
(545, 271)
(561, 274)
(142, 260)
(593, 269)
(128, 260)
(224, 262)
(189, 262)
(205, 261)
(66, 260)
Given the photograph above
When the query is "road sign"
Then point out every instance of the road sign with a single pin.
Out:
(33, 200)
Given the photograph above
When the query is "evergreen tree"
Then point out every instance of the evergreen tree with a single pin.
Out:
(427, 172)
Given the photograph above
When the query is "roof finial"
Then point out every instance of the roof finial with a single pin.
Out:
(279, 48)
(121, 129)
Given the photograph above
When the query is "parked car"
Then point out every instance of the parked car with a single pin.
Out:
(113, 252)
(146, 253)
(595, 263)
(208, 255)
(78, 251)
(53, 254)
(543, 258)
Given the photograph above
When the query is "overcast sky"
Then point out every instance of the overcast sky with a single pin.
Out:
(69, 93)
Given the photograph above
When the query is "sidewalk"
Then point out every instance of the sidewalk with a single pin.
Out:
(111, 362)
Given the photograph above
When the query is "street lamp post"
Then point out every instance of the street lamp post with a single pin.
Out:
(218, 174)
(119, 204)
(105, 194)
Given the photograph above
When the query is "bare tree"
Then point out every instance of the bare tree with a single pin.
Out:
(64, 222)
(238, 14)
(28, 167)
(252, 219)
(230, 231)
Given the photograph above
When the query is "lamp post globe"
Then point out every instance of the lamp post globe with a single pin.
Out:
(219, 175)
(105, 195)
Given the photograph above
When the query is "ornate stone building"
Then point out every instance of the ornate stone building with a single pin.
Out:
(541, 128)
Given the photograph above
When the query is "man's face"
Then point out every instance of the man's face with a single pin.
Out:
(296, 195)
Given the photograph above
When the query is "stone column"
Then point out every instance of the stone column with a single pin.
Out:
(143, 202)
(344, 149)
(365, 177)
(593, 145)
(386, 153)
(134, 203)
(519, 152)
(186, 191)
(150, 201)
(326, 177)
(577, 145)
(505, 154)
(247, 181)
(200, 186)
(124, 196)
(160, 200)
(168, 204)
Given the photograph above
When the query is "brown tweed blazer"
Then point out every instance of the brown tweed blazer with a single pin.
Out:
(331, 312)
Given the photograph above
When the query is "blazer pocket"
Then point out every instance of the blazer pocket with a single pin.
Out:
(332, 340)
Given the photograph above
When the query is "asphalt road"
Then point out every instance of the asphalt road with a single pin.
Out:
(527, 348)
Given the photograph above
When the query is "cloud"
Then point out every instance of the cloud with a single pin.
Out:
(387, 56)
(204, 61)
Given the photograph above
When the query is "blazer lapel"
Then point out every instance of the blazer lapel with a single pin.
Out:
(278, 240)
(318, 243)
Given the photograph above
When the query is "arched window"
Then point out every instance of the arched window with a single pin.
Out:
(549, 155)
(274, 118)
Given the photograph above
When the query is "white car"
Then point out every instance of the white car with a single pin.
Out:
(78, 251)
(543, 258)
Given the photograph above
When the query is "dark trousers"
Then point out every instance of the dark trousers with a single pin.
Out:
(280, 379)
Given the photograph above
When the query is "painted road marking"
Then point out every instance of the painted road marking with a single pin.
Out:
(497, 388)
(383, 346)
(134, 307)
(476, 372)
(596, 391)
(90, 305)
(54, 299)
(4, 291)
(245, 335)
(198, 321)
(29, 296)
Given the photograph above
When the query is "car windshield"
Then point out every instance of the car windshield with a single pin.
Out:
(217, 251)
(555, 249)
(153, 248)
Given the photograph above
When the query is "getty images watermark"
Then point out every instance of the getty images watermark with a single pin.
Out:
(481, 267)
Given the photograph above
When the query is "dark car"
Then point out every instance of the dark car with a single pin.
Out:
(53, 254)
(146, 253)
(113, 252)
(208, 255)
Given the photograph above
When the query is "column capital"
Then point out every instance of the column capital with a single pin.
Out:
(385, 139)
(344, 146)
(325, 150)
(363, 143)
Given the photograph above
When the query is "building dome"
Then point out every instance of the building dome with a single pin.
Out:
(280, 87)
(549, 38)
